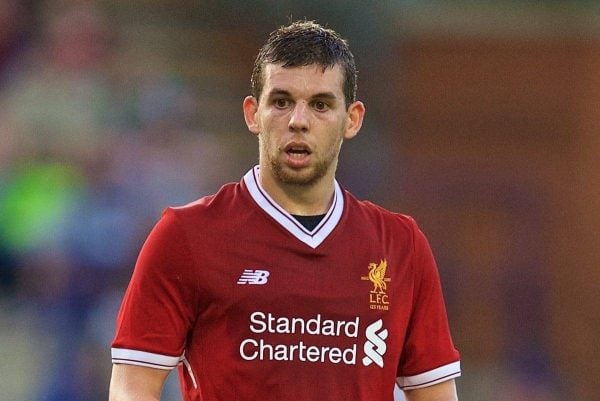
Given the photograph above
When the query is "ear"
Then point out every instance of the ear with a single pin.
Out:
(355, 116)
(250, 107)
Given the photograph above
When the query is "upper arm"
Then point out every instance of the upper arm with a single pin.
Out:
(428, 354)
(130, 382)
(444, 391)
(160, 305)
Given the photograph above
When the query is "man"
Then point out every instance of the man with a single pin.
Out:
(284, 286)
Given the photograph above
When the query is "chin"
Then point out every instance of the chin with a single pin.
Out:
(302, 177)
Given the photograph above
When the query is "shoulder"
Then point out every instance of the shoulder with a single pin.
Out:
(226, 209)
(229, 196)
(378, 215)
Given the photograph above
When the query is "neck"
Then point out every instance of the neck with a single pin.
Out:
(302, 200)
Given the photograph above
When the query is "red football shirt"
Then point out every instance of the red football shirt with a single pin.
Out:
(252, 306)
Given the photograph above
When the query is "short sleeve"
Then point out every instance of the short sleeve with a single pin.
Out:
(159, 306)
(429, 356)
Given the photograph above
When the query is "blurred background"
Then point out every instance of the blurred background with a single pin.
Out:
(483, 122)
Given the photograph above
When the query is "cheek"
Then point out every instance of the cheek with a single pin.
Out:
(266, 127)
(272, 127)
(268, 143)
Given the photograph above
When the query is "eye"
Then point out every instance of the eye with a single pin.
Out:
(281, 103)
(320, 105)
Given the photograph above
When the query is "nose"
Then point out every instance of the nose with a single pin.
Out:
(299, 119)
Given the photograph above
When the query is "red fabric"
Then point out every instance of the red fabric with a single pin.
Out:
(184, 296)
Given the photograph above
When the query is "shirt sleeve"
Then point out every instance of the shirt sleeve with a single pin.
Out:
(429, 356)
(159, 306)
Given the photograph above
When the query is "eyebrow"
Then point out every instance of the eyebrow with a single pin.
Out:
(277, 92)
(325, 96)
(320, 95)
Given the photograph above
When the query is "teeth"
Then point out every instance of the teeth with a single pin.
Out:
(297, 153)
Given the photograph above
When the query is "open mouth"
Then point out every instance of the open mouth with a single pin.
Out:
(297, 155)
(297, 151)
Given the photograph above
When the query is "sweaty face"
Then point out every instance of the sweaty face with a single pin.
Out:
(302, 120)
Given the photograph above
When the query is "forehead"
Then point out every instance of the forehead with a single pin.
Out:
(305, 80)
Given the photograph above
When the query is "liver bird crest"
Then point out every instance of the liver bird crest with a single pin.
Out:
(377, 276)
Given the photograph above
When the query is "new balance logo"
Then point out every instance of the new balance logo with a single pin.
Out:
(375, 346)
(254, 277)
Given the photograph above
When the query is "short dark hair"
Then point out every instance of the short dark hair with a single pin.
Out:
(304, 43)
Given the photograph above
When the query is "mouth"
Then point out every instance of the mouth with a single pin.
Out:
(297, 151)
(298, 155)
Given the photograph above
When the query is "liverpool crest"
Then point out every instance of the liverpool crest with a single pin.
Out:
(378, 298)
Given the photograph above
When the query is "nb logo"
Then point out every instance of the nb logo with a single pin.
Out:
(254, 277)
(375, 346)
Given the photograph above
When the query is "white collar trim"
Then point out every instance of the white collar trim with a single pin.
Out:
(311, 238)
